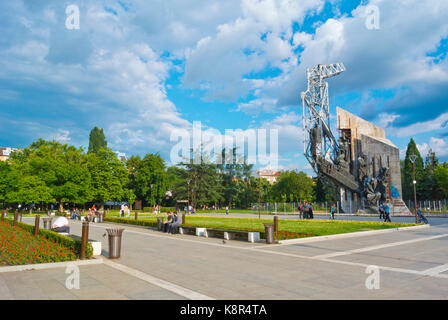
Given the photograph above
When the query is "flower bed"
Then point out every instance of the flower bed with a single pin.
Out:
(18, 246)
(285, 235)
(68, 242)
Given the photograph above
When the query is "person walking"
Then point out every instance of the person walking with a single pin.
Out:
(305, 211)
(381, 211)
(310, 211)
(128, 211)
(122, 210)
(301, 211)
(227, 210)
(387, 212)
(332, 210)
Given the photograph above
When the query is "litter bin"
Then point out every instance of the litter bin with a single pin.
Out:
(159, 224)
(114, 242)
(47, 223)
(269, 229)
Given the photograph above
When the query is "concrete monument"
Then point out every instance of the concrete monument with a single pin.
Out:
(363, 163)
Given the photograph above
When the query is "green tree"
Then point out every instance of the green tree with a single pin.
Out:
(325, 190)
(4, 180)
(97, 140)
(29, 189)
(109, 177)
(60, 167)
(132, 164)
(151, 179)
(293, 185)
(431, 190)
(201, 183)
(408, 188)
(441, 175)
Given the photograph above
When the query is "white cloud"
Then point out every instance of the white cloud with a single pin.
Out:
(62, 136)
(238, 49)
(386, 119)
(437, 145)
(419, 127)
(258, 106)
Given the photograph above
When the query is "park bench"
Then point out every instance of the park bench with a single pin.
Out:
(182, 229)
(232, 234)
(227, 234)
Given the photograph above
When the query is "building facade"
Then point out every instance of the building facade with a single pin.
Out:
(270, 175)
(5, 153)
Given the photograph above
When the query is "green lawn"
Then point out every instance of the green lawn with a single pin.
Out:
(314, 227)
(224, 211)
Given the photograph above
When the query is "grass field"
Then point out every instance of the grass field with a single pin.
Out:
(314, 227)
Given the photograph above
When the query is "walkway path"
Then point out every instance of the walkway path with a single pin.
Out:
(412, 264)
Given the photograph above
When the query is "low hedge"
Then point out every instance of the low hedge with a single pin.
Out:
(162, 209)
(145, 223)
(67, 242)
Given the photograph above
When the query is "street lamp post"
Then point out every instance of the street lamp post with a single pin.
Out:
(188, 195)
(413, 158)
(152, 202)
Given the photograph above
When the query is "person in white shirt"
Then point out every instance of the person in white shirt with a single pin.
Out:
(60, 224)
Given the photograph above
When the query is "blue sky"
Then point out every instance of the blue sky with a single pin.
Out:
(143, 69)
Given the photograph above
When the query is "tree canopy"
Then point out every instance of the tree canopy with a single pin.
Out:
(97, 140)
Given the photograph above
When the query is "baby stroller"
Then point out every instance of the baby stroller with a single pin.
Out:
(421, 218)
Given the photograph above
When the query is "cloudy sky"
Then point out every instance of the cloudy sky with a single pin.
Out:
(141, 69)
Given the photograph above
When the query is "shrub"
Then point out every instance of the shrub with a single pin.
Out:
(18, 246)
(145, 223)
(70, 243)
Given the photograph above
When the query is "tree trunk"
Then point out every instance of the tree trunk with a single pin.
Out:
(61, 206)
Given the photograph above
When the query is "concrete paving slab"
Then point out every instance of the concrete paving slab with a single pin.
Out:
(238, 270)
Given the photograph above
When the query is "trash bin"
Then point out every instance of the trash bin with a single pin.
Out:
(47, 223)
(101, 216)
(114, 242)
(269, 229)
(159, 224)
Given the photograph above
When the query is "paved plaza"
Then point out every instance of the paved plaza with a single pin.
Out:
(153, 265)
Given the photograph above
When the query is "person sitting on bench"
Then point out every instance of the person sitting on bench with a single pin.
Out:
(172, 227)
(60, 225)
(91, 215)
(169, 219)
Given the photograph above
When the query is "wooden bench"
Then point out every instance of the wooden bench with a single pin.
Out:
(228, 234)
